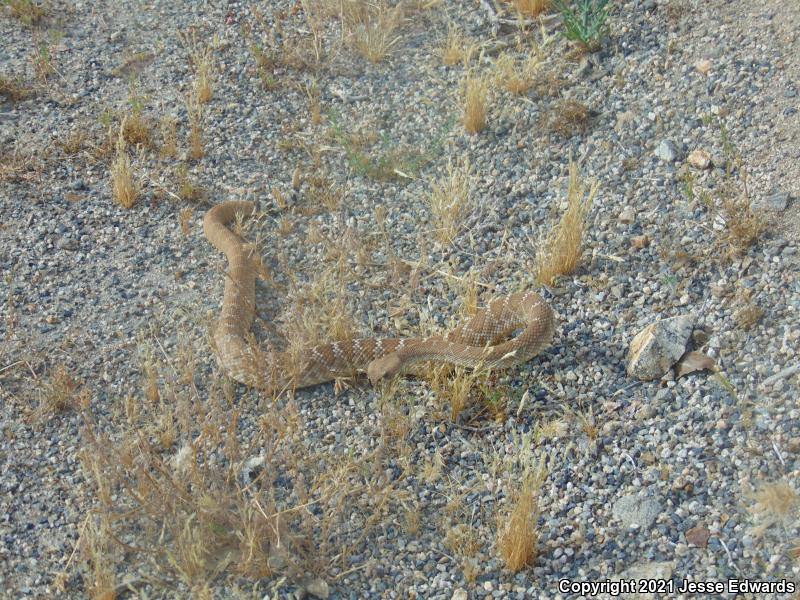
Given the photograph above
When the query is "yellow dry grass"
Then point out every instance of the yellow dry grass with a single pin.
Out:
(517, 536)
(124, 188)
(475, 104)
(457, 47)
(532, 8)
(451, 201)
(194, 110)
(371, 27)
(517, 76)
(773, 503)
(61, 392)
(562, 248)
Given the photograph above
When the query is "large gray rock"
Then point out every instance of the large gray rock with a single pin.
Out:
(667, 151)
(659, 346)
(776, 202)
(632, 511)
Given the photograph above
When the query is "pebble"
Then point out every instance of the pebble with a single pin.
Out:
(667, 151)
(699, 159)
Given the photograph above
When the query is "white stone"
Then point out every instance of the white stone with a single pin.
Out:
(659, 346)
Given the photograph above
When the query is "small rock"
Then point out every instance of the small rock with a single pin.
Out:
(627, 216)
(698, 536)
(775, 202)
(658, 346)
(459, 594)
(317, 587)
(251, 469)
(699, 159)
(703, 66)
(67, 244)
(667, 151)
(640, 241)
(635, 511)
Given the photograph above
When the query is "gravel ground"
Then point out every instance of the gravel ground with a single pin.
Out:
(661, 479)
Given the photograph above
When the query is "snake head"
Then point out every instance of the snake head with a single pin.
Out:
(384, 367)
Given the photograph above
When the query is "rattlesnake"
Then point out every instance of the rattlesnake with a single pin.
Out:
(476, 343)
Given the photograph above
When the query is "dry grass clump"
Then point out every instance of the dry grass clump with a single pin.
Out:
(74, 141)
(454, 387)
(475, 92)
(169, 137)
(749, 312)
(567, 118)
(325, 192)
(532, 8)
(729, 205)
(124, 188)
(321, 310)
(517, 76)
(18, 166)
(187, 495)
(371, 27)
(563, 246)
(43, 63)
(136, 128)
(451, 201)
(27, 11)
(188, 188)
(517, 534)
(194, 111)
(773, 503)
(201, 59)
(457, 48)
(14, 89)
(463, 540)
(743, 226)
(60, 393)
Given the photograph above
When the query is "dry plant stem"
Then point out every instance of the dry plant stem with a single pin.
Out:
(517, 77)
(451, 201)
(562, 249)
(476, 98)
(517, 530)
(195, 112)
(457, 48)
(372, 27)
(124, 188)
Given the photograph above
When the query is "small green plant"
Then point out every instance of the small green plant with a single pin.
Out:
(382, 161)
(585, 22)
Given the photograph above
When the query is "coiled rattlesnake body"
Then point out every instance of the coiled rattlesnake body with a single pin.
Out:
(476, 343)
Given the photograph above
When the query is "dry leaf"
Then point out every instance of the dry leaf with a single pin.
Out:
(698, 536)
(694, 361)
